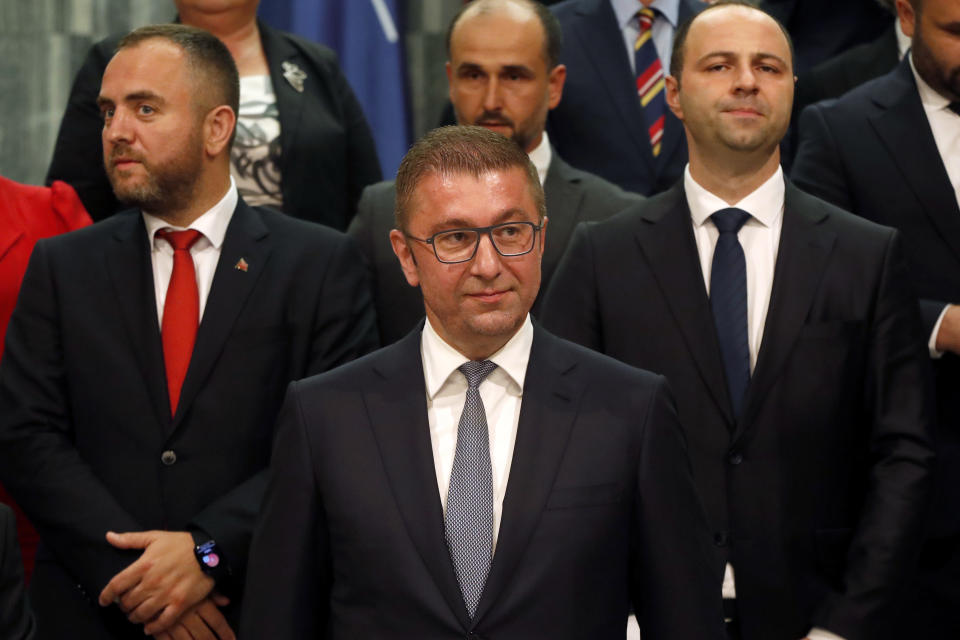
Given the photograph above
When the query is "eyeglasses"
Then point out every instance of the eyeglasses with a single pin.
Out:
(460, 245)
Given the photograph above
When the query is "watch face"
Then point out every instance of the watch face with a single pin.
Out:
(211, 560)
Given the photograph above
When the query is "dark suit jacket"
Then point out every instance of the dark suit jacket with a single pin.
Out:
(573, 196)
(600, 511)
(16, 620)
(872, 152)
(327, 151)
(816, 492)
(598, 126)
(84, 413)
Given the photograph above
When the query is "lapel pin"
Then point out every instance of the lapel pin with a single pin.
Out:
(241, 265)
(294, 75)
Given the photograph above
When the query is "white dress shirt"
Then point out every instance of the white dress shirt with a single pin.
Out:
(663, 27)
(541, 156)
(759, 237)
(205, 251)
(501, 392)
(945, 125)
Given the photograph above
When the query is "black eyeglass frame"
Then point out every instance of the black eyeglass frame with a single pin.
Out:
(480, 231)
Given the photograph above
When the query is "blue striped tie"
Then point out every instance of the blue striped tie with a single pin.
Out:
(470, 496)
(728, 301)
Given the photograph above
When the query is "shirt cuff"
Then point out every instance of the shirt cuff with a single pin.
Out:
(932, 343)
(822, 634)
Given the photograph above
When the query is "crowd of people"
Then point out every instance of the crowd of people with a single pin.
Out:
(664, 328)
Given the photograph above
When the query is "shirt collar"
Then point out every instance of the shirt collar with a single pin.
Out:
(540, 157)
(932, 101)
(765, 204)
(212, 224)
(440, 360)
(626, 10)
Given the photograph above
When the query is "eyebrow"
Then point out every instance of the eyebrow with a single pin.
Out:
(509, 68)
(460, 223)
(132, 97)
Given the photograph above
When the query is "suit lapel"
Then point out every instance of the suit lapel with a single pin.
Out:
(131, 274)
(247, 238)
(805, 246)
(563, 210)
(903, 127)
(289, 101)
(550, 398)
(400, 425)
(671, 255)
(601, 42)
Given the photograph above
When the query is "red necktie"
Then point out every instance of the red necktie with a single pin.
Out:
(181, 312)
(650, 82)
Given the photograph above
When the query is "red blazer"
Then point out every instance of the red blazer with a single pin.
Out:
(28, 213)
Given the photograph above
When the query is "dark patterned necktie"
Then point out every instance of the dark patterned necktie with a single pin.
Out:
(470, 496)
(650, 79)
(728, 301)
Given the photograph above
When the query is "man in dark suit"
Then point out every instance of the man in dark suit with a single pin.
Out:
(789, 332)
(16, 620)
(504, 75)
(142, 374)
(480, 478)
(317, 167)
(888, 152)
(601, 124)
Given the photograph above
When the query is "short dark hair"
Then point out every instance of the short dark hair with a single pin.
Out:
(211, 64)
(461, 150)
(680, 36)
(552, 34)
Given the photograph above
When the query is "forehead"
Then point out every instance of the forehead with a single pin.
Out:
(154, 65)
(734, 29)
(461, 199)
(508, 33)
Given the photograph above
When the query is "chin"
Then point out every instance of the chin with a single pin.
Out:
(497, 323)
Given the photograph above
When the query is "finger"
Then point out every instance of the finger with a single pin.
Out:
(216, 621)
(219, 599)
(179, 632)
(167, 618)
(197, 627)
(121, 583)
(162, 636)
(131, 540)
(145, 612)
(132, 598)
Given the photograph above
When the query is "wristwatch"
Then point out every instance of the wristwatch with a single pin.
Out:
(208, 555)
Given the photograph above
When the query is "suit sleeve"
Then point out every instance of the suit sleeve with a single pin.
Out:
(68, 504)
(78, 152)
(676, 581)
(289, 575)
(16, 621)
(898, 397)
(344, 329)
(570, 306)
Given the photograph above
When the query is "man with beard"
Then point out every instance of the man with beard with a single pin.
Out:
(789, 331)
(504, 75)
(148, 355)
(890, 151)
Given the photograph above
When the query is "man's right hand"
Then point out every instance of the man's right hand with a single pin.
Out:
(203, 621)
(948, 336)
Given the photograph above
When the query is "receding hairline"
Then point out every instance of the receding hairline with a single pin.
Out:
(551, 36)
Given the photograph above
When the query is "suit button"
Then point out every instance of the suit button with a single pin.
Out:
(720, 538)
(735, 458)
(168, 457)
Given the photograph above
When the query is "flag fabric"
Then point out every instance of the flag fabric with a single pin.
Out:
(368, 39)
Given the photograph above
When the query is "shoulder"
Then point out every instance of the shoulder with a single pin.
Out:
(847, 226)
(614, 375)
(380, 194)
(397, 360)
(296, 232)
(278, 42)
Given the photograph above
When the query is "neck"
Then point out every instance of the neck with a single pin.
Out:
(204, 196)
(234, 27)
(733, 178)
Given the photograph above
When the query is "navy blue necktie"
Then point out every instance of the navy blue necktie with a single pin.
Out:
(470, 496)
(728, 301)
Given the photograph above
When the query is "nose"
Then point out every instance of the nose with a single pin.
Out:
(117, 128)
(486, 263)
(491, 96)
(746, 80)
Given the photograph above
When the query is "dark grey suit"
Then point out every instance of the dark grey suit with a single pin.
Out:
(573, 196)
(16, 620)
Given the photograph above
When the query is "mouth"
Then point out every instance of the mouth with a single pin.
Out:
(744, 112)
(489, 296)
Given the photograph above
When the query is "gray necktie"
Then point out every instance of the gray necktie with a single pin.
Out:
(470, 497)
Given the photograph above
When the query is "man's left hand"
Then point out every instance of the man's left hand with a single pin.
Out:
(164, 581)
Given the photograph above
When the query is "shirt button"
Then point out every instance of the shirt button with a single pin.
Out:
(720, 538)
(168, 457)
(735, 458)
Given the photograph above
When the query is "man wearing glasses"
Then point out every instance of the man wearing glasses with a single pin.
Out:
(480, 478)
